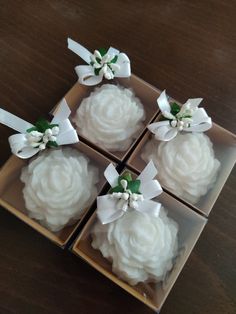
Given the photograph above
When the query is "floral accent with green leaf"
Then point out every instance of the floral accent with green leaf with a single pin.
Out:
(104, 63)
(43, 134)
(131, 185)
(179, 117)
(175, 118)
(127, 191)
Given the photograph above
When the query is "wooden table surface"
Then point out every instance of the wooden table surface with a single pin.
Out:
(187, 47)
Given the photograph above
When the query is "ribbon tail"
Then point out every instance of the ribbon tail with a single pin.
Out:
(150, 189)
(19, 147)
(79, 50)
(149, 207)
(107, 211)
(14, 122)
(67, 134)
(163, 102)
(148, 173)
(111, 175)
(68, 137)
(194, 102)
(62, 112)
(124, 63)
(112, 51)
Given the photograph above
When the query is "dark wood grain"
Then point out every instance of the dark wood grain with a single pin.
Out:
(187, 47)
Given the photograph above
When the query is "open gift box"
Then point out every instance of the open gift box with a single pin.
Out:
(144, 91)
(224, 146)
(153, 295)
(11, 196)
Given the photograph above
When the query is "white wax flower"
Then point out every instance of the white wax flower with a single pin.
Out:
(140, 246)
(110, 117)
(186, 164)
(59, 185)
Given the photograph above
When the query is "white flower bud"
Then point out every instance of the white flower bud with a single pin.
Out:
(124, 184)
(55, 130)
(109, 75)
(133, 204)
(116, 194)
(48, 132)
(36, 134)
(134, 197)
(45, 139)
(125, 196)
(173, 123)
(52, 138)
(186, 124)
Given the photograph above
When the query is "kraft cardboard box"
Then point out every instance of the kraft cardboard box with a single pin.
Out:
(11, 196)
(224, 145)
(191, 225)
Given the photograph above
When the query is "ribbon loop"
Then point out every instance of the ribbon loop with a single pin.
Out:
(30, 141)
(102, 63)
(188, 118)
(135, 194)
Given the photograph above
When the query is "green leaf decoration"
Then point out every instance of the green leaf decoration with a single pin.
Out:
(102, 51)
(126, 176)
(114, 60)
(117, 189)
(52, 144)
(98, 60)
(50, 126)
(96, 71)
(175, 108)
(32, 129)
(41, 126)
(134, 186)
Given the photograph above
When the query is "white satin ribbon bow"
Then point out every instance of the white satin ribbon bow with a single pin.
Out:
(26, 145)
(113, 206)
(190, 118)
(108, 69)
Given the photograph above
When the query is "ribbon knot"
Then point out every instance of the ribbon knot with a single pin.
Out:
(34, 138)
(127, 194)
(102, 63)
(188, 118)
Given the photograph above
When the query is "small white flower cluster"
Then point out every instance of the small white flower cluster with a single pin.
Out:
(127, 199)
(182, 119)
(107, 68)
(39, 140)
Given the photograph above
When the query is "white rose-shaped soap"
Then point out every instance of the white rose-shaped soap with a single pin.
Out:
(186, 164)
(141, 247)
(59, 185)
(110, 117)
